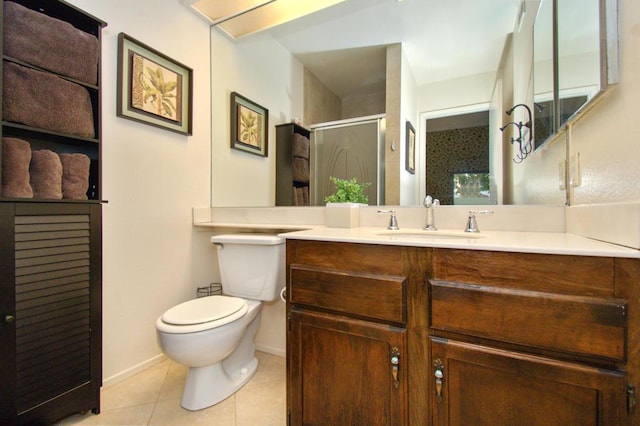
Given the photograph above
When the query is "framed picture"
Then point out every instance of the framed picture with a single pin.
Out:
(410, 162)
(153, 88)
(249, 126)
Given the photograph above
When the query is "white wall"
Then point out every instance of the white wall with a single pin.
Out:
(607, 138)
(263, 71)
(152, 178)
(410, 183)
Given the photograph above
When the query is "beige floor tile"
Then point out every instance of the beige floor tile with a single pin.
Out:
(152, 397)
(173, 385)
(169, 412)
(139, 389)
(262, 404)
(126, 416)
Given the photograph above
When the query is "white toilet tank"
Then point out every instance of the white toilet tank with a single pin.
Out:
(251, 265)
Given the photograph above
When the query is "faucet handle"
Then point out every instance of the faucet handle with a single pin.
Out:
(429, 201)
(393, 220)
(472, 223)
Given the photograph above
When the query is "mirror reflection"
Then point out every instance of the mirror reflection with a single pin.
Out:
(568, 70)
(415, 61)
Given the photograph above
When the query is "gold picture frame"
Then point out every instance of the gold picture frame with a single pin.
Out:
(153, 88)
(249, 126)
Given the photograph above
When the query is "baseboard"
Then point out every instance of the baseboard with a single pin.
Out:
(117, 378)
(271, 350)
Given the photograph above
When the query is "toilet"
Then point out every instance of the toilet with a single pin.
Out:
(214, 335)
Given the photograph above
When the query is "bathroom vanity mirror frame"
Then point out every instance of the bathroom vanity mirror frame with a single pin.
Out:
(608, 72)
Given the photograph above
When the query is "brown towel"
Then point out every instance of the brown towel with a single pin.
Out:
(75, 176)
(300, 169)
(16, 156)
(50, 43)
(43, 100)
(300, 146)
(46, 174)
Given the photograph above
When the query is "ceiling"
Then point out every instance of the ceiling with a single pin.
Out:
(343, 45)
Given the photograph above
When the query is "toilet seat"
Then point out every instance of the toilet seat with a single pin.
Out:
(202, 314)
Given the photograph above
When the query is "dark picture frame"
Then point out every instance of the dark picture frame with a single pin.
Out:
(410, 151)
(153, 88)
(249, 126)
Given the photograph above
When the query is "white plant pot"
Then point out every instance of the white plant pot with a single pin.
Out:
(343, 215)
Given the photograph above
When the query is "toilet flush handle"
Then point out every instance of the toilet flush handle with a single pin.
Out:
(219, 246)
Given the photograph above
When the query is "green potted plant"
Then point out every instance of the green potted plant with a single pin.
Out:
(343, 206)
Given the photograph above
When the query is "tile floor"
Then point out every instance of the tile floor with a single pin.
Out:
(152, 397)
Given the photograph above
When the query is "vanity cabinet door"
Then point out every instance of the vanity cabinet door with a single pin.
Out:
(344, 371)
(473, 384)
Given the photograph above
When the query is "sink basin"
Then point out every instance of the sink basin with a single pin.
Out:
(430, 235)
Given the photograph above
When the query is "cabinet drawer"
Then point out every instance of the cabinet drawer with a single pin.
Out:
(580, 325)
(378, 297)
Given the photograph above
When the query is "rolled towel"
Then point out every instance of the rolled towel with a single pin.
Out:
(75, 176)
(16, 156)
(44, 100)
(300, 146)
(46, 174)
(50, 43)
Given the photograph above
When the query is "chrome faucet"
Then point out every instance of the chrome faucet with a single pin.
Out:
(472, 223)
(430, 203)
(393, 221)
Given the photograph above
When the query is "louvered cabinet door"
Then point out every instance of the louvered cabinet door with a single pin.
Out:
(57, 321)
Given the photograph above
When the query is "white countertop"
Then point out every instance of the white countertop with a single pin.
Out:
(527, 242)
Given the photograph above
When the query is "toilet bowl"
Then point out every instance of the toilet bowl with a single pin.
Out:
(214, 335)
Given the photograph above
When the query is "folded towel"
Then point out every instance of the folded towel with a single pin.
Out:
(16, 156)
(300, 169)
(300, 146)
(46, 174)
(43, 100)
(50, 43)
(75, 176)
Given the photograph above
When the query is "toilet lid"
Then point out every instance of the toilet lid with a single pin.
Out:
(205, 309)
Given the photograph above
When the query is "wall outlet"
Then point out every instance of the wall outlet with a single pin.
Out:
(575, 174)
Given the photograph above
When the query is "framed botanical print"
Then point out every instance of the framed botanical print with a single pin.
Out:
(153, 88)
(249, 126)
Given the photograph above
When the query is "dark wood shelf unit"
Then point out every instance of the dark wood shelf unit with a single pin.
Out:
(284, 168)
(51, 267)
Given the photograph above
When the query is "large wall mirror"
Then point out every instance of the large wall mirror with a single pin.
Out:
(574, 60)
(455, 60)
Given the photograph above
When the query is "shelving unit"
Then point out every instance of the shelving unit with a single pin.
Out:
(287, 183)
(51, 250)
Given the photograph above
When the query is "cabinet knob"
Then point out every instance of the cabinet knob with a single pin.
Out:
(395, 366)
(9, 319)
(439, 375)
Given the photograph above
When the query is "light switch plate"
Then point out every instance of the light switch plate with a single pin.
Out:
(575, 174)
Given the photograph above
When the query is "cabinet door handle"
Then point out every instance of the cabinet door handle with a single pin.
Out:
(439, 375)
(395, 365)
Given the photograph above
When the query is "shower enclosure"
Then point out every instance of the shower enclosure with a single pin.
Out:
(348, 149)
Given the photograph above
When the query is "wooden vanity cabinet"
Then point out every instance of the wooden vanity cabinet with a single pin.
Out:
(484, 338)
(356, 320)
(532, 339)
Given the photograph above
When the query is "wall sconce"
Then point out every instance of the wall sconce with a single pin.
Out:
(525, 147)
